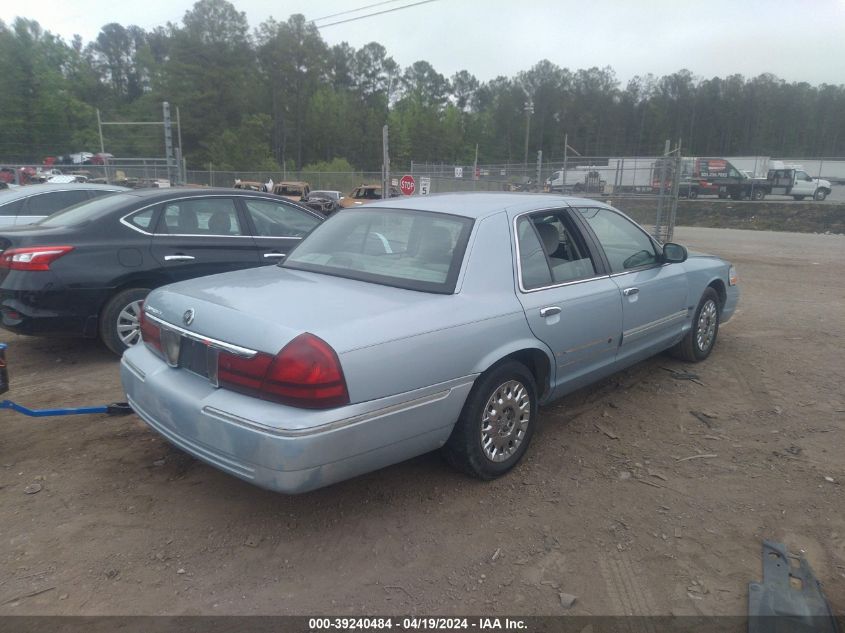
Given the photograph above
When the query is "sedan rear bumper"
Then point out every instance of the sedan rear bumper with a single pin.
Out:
(283, 448)
(36, 303)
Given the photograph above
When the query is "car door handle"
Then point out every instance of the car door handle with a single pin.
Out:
(274, 255)
(179, 258)
(549, 311)
(628, 292)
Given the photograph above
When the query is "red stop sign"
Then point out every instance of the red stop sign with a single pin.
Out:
(407, 185)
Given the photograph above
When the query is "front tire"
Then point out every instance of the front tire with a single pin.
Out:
(496, 423)
(821, 194)
(120, 327)
(699, 341)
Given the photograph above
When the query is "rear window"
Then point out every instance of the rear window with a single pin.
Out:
(416, 250)
(52, 201)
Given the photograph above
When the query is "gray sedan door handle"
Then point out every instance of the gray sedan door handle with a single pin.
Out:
(549, 311)
(179, 258)
(274, 255)
(630, 291)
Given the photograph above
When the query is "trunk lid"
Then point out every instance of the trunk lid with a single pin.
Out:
(33, 235)
(264, 308)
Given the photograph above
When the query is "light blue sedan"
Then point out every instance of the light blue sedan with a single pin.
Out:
(410, 325)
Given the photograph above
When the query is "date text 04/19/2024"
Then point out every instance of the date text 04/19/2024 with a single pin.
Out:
(415, 624)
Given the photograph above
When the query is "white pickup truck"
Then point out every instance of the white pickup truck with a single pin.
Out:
(791, 180)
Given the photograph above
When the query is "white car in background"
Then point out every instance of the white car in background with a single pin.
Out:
(29, 204)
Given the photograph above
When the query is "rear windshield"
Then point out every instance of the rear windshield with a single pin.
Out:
(88, 210)
(416, 250)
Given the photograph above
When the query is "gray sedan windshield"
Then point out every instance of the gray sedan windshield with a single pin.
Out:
(417, 250)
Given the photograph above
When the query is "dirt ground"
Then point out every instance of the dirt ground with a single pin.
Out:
(626, 499)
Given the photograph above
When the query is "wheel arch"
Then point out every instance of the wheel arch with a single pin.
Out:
(537, 358)
(150, 281)
(719, 286)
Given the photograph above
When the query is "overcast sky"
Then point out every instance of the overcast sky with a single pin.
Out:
(800, 40)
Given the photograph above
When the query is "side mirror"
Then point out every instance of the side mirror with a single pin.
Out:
(674, 253)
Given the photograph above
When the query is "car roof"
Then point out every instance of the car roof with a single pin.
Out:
(31, 190)
(165, 193)
(482, 204)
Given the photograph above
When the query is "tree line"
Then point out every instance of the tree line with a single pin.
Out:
(279, 94)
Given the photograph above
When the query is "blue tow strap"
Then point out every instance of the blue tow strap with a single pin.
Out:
(115, 408)
(43, 413)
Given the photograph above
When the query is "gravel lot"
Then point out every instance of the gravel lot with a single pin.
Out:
(608, 506)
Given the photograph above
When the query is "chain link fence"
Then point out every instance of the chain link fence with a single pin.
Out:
(647, 188)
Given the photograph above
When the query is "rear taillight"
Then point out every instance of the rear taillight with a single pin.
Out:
(150, 332)
(306, 373)
(242, 374)
(32, 257)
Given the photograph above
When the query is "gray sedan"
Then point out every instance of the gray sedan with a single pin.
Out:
(415, 324)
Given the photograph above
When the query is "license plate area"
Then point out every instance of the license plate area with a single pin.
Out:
(198, 358)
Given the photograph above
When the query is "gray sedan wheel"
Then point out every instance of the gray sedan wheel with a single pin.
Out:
(497, 422)
(505, 420)
(120, 326)
(699, 341)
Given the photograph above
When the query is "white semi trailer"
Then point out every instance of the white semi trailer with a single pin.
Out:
(616, 175)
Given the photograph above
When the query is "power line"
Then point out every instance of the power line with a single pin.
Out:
(369, 15)
(368, 6)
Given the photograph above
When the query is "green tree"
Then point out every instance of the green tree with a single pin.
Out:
(209, 72)
(294, 60)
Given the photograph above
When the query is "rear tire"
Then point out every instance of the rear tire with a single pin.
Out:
(693, 194)
(119, 325)
(758, 194)
(496, 423)
(700, 340)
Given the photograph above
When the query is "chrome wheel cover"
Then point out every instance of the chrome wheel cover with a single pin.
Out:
(705, 332)
(128, 325)
(505, 420)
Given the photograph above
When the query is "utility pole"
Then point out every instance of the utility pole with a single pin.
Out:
(475, 168)
(168, 139)
(676, 182)
(563, 173)
(385, 165)
(539, 167)
(183, 175)
(103, 147)
(658, 222)
(529, 110)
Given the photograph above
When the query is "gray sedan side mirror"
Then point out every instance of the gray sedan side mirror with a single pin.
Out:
(674, 253)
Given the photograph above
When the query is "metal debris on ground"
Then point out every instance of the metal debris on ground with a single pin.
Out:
(567, 600)
(683, 375)
(706, 418)
(704, 456)
(789, 598)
